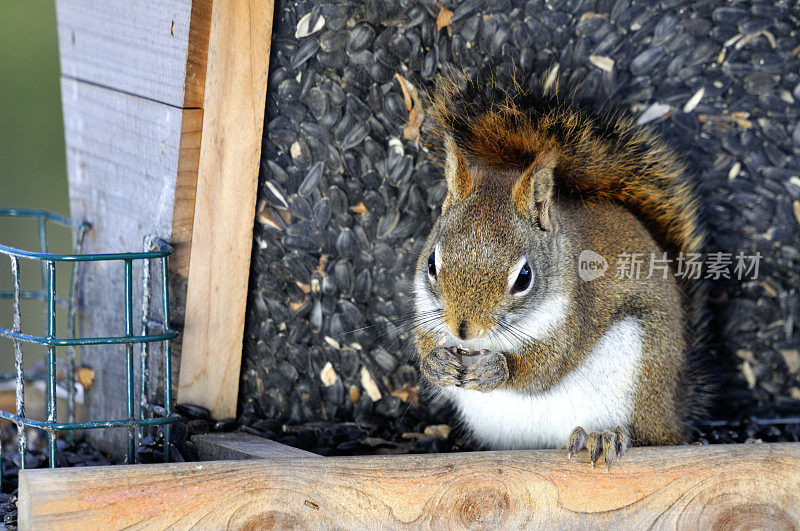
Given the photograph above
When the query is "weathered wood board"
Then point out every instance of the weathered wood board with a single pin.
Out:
(130, 162)
(128, 158)
(687, 487)
(150, 48)
(227, 180)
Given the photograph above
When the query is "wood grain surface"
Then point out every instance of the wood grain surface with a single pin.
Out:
(227, 178)
(184, 193)
(687, 487)
(129, 161)
(154, 49)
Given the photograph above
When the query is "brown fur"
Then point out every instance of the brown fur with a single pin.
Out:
(639, 170)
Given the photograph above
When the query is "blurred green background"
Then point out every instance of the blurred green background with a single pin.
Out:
(32, 165)
(32, 160)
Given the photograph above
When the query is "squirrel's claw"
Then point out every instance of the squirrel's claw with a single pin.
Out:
(611, 443)
(594, 444)
(443, 367)
(576, 441)
(622, 441)
(489, 372)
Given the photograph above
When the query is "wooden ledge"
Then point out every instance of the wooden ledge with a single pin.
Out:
(732, 486)
(234, 446)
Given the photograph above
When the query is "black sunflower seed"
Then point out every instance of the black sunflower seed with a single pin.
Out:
(343, 273)
(311, 180)
(305, 52)
(355, 136)
(347, 244)
(360, 37)
(273, 194)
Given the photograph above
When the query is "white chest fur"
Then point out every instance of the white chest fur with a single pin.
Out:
(597, 395)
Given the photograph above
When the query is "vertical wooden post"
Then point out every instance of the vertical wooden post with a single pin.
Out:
(227, 179)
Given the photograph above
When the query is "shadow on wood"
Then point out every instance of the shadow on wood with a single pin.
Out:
(230, 446)
(736, 486)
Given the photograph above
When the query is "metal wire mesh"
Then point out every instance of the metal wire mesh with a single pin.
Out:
(151, 331)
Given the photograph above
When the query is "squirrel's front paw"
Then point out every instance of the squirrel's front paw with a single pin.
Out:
(489, 372)
(443, 366)
(610, 442)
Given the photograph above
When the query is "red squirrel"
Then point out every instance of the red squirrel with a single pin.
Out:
(533, 179)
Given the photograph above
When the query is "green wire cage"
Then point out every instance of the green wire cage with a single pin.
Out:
(148, 415)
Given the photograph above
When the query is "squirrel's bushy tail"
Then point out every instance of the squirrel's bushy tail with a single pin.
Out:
(602, 154)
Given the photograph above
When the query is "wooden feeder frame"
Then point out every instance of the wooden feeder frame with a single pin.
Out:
(164, 104)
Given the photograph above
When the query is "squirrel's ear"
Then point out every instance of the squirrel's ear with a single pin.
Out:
(459, 181)
(533, 192)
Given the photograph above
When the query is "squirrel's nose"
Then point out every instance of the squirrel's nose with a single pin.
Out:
(462, 330)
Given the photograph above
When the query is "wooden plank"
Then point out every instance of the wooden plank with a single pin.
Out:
(235, 446)
(235, 96)
(132, 165)
(151, 48)
(687, 487)
(184, 194)
(123, 154)
(130, 162)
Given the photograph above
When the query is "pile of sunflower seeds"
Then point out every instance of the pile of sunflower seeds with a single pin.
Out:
(347, 193)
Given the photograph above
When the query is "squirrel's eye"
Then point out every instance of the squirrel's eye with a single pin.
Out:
(432, 265)
(523, 281)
